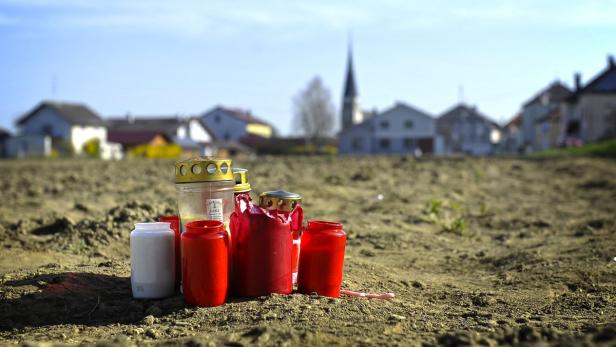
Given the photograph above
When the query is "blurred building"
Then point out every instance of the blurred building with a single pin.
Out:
(230, 124)
(190, 133)
(589, 114)
(59, 126)
(536, 113)
(512, 141)
(465, 130)
(401, 129)
(4, 136)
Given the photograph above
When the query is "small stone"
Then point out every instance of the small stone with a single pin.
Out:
(81, 207)
(396, 317)
(149, 320)
(152, 333)
(417, 284)
(367, 253)
(108, 263)
(483, 300)
(138, 331)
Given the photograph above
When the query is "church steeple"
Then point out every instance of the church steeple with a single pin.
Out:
(351, 113)
(350, 89)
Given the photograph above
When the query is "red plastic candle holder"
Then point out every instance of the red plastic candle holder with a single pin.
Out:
(205, 263)
(321, 260)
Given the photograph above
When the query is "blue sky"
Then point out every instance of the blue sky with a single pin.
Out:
(160, 58)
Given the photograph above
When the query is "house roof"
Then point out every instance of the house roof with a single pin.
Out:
(166, 125)
(515, 121)
(604, 82)
(134, 137)
(242, 115)
(73, 113)
(462, 109)
(367, 123)
(404, 105)
(557, 92)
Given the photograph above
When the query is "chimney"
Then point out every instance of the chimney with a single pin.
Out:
(578, 81)
(130, 118)
(610, 61)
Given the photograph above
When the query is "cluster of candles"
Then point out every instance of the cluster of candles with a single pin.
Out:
(221, 244)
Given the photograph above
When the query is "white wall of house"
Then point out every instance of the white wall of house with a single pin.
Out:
(46, 122)
(399, 129)
(111, 151)
(402, 121)
(530, 114)
(82, 134)
(225, 126)
(198, 132)
(598, 114)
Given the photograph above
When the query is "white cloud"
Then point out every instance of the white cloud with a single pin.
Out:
(216, 17)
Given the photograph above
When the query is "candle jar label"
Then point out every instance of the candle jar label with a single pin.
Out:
(214, 209)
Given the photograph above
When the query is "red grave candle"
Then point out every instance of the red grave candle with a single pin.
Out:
(205, 263)
(321, 259)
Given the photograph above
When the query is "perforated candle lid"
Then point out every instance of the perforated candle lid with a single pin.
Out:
(241, 180)
(279, 200)
(203, 169)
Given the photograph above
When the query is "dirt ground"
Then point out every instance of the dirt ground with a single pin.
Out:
(478, 251)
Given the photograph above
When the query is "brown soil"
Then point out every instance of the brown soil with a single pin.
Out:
(477, 251)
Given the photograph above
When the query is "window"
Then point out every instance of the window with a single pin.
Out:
(384, 143)
(227, 136)
(408, 124)
(47, 129)
(356, 143)
(384, 124)
(409, 143)
(217, 118)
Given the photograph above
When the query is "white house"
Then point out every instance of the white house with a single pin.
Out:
(62, 125)
(229, 124)
(535, 110)
(589, 114)
(465, 130)
(402, 129)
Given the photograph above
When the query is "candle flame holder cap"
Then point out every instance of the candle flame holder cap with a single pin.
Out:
(279, 200)
(241, 180)
(203, 169)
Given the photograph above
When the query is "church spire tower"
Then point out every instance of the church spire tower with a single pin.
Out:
(351, 112)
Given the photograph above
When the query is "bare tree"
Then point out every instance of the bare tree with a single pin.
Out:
(314, 112)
